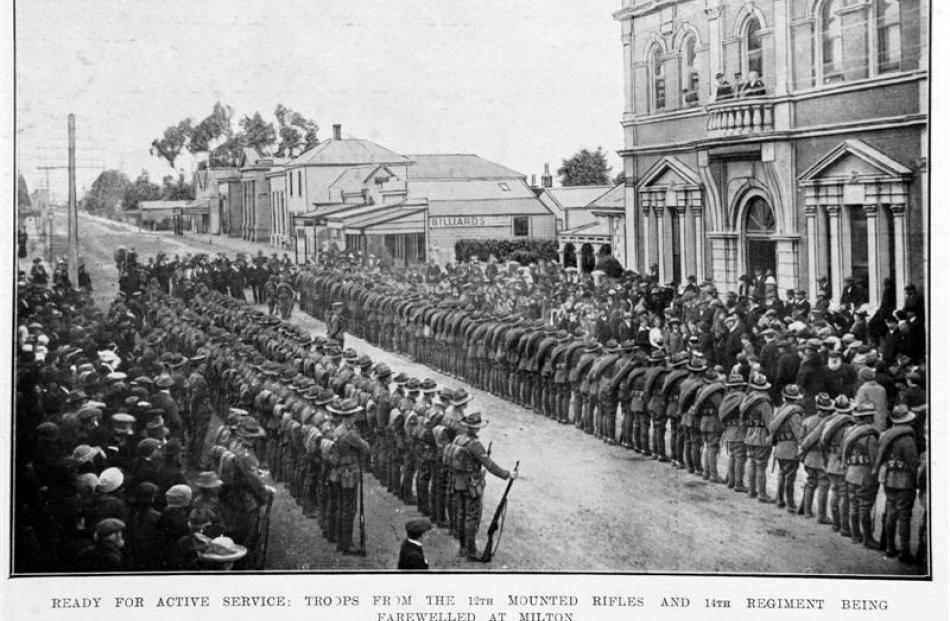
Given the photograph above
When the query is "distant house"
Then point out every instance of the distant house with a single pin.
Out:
(157, 215)
(206, 211)
(470, 197)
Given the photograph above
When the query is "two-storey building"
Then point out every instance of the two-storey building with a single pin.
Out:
(782, 135)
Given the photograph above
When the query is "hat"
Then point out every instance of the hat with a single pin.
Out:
(87, 412)
(199, 359)
(759, 382)
(165, 381)
(223, 550)
(147, 447)
(843, 405)
(417, 526)
(735, 380)
(865, 408)
(902, 414)
(866, 374)
(74, 396)
(348, 407)
(401, 379)
(110, 480)
(336, 305)
(116, 376)
(208, 480)
(611, 347)
(319, 396)
(473, 420)
(382, 370)
(237, 412)
(412, 385)
(792, 392)
(711, 375)
(84, 453)
(109, 526)
(697, 363)
(428, 385)
(823, 402)
(178, 496)
(249, 428)
(679, 359)
(461, 397)
(47, 431)
(364, 361)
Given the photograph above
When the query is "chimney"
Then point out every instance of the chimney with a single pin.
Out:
(337, 131)
(534, 181)
(546, 180)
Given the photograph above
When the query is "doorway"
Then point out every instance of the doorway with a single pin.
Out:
(759, 229)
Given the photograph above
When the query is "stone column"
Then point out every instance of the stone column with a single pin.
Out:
(659, 211)
(700, 241)
(874, 264)
(837, 269)
(900, 251)
(684, 254)
(647, 234)
(626, 39)
(782, 65)
(713, 14)
(811, 225)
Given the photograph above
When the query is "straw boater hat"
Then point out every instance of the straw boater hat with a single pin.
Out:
(223, 550)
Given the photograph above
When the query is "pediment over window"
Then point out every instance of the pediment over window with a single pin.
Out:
(669, 172)
(854, 161)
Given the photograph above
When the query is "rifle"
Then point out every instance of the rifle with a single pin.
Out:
(264, 532)
(491, 546)
(362, 513)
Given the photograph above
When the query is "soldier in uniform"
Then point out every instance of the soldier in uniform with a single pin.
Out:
(405, 439)
(248, 491)
(859, 450)
(670, 394)
(785, 430)
(734, 434)
(832, 438)
(706, 413)
(285, 298)
(270, 293)
(441, 436)
(394, 433)
(350, 449)
(812, 457)
(336, 322)
(199, 408)
(579, 380)
(756, 413)
(468, 458)
(689, 423)
(601, 379)
(896, 466)
(424, 446)
(655, 404)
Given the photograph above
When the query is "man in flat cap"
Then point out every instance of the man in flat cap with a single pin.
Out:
(411, 554)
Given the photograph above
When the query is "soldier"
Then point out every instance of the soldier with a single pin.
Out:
(248, 491)
(859, 450)
(579, 382)
(424, 445)
(270, 293)
(670, 393)
(405, 440)
(394, 431)
(756, 413)
(689, 423)
(706, 414)
(785, 430)
(467, 458)
(604, 390)
(350, 449)
(896, 466)
(199, 406)
(336, 323)
(809, 451)
(655, 405)
(285, 298)
(442, 436)
(735, 431)
(380, 408)
(832, 437)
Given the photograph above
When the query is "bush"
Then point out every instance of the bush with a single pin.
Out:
(523, 251)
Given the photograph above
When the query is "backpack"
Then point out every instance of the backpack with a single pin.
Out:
(458, 457)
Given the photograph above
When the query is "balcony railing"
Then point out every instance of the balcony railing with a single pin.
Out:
(736, 117)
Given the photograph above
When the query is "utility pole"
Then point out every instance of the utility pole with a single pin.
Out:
(73, 212)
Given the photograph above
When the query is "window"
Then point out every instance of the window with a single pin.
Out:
(888, 35)
(520, 226)
(659, 84)
(300, 182)
(753, 47)
(832, 54)
(290, 182)
(689, 73)
(504, 186)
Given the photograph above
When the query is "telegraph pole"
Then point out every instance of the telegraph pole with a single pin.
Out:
(73, 213)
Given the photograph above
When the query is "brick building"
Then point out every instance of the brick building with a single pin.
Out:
(816, 168)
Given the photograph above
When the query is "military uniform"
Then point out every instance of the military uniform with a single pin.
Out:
(350, 449)
(832, 438)
(786, 430)
(859, 450)
(756, 413)
(734, 432)
(809, 450)
(897, 464)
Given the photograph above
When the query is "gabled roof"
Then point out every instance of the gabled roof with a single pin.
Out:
(669, 171)
(609, 201)
(457, 166)
(573, 197)
(347, 152)
(854, 158)
(598, 227)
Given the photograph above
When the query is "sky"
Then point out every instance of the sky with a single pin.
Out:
(518, 82)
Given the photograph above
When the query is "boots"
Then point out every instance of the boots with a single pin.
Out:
(753, 489)
(823, 504)
(780, 490)
(712, 466)
(806, 507)
(845, 520)
(739, 474)
(867, 530)
(760, 479)
(789, 492)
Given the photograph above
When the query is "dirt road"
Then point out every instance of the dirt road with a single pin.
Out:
(578, 505)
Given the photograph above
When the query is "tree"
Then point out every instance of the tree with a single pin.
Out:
(141, 190)
(176, 190)
(107, 193)
(173, 141)
(22, 193)
(296, 132)
(212, 131)
(585, 168)
(258, 133)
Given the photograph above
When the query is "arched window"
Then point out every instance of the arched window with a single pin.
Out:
(656, 74)
(759, 220)
(753, 47)
(689, 72)
(888, 35)
(832, 50)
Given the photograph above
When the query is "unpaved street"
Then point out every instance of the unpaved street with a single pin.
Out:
(578, 505)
